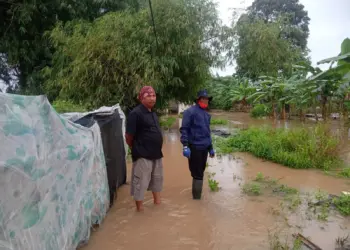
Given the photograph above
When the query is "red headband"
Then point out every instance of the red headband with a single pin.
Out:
(145, 91)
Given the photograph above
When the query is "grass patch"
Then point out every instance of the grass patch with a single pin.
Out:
(296, 148)
(344, 173)
(342, 204)
(276, 243)
(222, 145)
(324, 203)
(322, 209)
(320, 203)
(260, 183)
(62, 106)
(260, 110)
(252, 188)
(218, 122)
(213, 184)
(167, 122)
(343, 242)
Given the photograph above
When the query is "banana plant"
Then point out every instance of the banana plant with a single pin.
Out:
(228, 90)
(334, 82)
(269, 90)
(296, 93)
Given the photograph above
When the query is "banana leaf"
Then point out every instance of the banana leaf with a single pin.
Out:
(345, 57)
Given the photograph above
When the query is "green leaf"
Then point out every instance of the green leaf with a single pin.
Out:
(336, 58)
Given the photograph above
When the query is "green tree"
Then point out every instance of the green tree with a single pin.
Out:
(261, 50)
(24, 51)
(296, 29)
(106, 61)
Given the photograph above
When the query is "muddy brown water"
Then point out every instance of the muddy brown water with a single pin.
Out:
(223, 220)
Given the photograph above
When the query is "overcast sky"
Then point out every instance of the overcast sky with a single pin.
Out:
(329, 26)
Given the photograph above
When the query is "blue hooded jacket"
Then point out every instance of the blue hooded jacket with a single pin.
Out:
(195, 129)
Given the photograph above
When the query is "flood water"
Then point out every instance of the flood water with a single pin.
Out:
(223, 220)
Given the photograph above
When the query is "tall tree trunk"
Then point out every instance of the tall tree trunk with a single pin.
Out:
(283, 112)
(344, 109)
(274, 115)
(315, 111)
(301, 115)
(324, 107)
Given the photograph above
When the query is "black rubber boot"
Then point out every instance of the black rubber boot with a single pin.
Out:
(197, 186)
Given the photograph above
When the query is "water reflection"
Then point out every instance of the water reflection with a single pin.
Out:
(171, 137)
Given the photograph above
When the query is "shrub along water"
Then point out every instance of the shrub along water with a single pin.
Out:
(214, 121)
(296, 148)
(260, 110)
(167, 122)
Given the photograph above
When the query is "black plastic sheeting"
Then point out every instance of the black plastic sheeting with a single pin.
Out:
(221, 133)
(113, 146)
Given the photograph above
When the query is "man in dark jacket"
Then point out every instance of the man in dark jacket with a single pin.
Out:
(196, 140)
(144, 137)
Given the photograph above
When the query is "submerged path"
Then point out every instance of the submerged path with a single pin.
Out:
(222, 220)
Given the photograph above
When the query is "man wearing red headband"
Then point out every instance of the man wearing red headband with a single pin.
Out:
(144, 137)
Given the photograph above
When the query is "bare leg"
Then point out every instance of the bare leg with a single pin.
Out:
(156, 198)
(139, 206)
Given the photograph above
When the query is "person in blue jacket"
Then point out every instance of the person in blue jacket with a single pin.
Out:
(196, 140)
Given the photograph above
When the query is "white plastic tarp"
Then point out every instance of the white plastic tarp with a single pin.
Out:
(53, 181)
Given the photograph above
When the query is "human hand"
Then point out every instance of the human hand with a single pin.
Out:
(212, 153)
(186, 152)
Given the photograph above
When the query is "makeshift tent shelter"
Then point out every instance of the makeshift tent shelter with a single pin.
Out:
(111, 121)
(53, 181)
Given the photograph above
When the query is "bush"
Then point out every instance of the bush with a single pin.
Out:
(298, 148)
(345, 172)
(218, 122)
(252, 188)
(62, 106)
(260, 110)
(343, 204)
(167, 122)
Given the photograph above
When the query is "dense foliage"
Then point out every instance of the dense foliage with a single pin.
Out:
(24, 50)
(260, 110)
(271, 36)
(227, 91)
(273, 55)
(296, 27)
(306, 88)
(107, 61)
(100, 52)
(67, 106)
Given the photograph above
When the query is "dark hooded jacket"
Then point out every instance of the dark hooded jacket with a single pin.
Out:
(195, 129)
